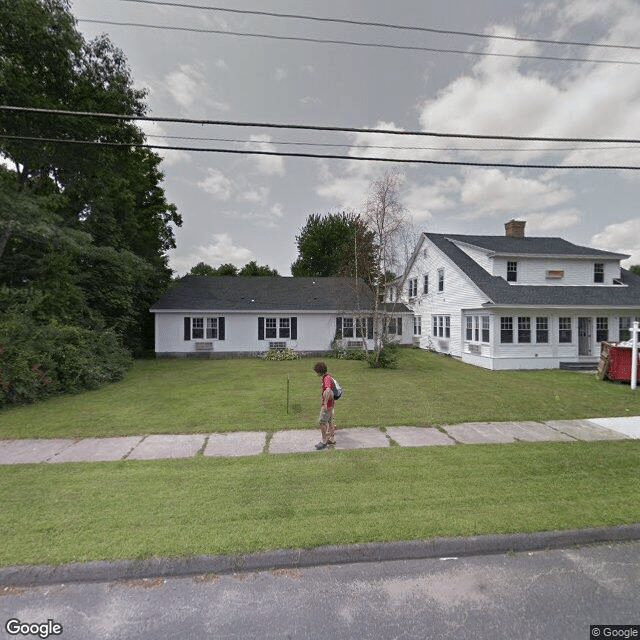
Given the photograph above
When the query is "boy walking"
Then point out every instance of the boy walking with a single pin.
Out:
(326, 420)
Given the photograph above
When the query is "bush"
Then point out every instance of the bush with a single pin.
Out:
(342, 353)
(281, 354)
(37, 361)
(387, 359)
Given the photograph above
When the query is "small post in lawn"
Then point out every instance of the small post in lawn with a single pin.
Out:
(287, 394)
(634, 356)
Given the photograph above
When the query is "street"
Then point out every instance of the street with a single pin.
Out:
(552, 595)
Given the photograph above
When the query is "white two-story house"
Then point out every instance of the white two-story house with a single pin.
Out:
(514, 302)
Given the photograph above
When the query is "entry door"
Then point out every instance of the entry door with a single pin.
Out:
(584, 336)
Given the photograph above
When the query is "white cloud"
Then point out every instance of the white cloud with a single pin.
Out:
(280, 74)
(189, 86)
(267, 218)
(260, 195)
(217, 185)
(155, 135)
(421, 201)
(220, 250)
(269, 165)
(545, 223)
(621, 237)
(490, 191)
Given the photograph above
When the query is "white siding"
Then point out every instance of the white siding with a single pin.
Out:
(459, 293)
(577, 272)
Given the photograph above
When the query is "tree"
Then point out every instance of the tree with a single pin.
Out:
(386, 219)
(249, 269)
(338, 244)
(635, 269)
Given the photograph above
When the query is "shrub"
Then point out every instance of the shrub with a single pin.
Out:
(387, 358)
(37, 361)
(281, 354)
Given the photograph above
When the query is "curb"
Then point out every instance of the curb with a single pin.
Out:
(118, 570)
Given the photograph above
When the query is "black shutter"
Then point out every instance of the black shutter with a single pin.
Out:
(399, 326)
(187, 328)
(370, 328)
(221, 328)
(339, 328)
(260, 328)
(294, 328)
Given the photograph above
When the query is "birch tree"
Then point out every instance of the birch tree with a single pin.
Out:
(387, 219)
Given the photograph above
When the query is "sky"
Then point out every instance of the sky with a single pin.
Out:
(238, 208)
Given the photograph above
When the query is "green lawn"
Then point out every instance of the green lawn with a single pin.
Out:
(137, 509)
(191, 396)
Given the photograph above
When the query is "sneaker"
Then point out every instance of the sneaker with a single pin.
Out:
(321, 445)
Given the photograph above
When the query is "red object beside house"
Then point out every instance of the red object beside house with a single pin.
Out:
(615, 361)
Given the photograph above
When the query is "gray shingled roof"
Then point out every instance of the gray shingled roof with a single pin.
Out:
(500, 292)
(506, 245)
(261, 294)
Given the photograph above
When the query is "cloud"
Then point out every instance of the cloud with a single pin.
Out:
(219, 250)
(155, 133)
(269, 165)
(217, 185)
(621, 237)
(490, 191)
(422, 201)
(267, 218)
(187, 84)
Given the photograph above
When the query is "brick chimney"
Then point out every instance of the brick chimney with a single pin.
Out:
(514, 228)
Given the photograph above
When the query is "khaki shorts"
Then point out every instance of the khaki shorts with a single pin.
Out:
(326, 416)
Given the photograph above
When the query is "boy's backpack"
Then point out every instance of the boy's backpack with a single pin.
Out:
(337, 389)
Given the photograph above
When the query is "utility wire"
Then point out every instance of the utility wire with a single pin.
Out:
(271, 125)
(353, 43)
(470, 34)
(287, 154)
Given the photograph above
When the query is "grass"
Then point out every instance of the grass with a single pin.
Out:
(200, 396)
(138, 509)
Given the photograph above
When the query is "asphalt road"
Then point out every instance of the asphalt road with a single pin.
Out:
(542, 595)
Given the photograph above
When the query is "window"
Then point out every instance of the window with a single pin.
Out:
(512, 271)
(440, 279)
(469, 328)
(417, 325)
(564, 328)
(347, 327)
(212, 328)
(598, 272)
(524, 329)
(270, 328)
(476, 328)
(197, 328)
(425, 287)
(413, 287)
(602, 329)
(624, 328)
(285, 328)
(542, 330)
(361, 327)
(506, 330)
(485, 329)
(442, 326)
(277, 328)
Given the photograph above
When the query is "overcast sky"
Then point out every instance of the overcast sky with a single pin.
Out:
(238, 208)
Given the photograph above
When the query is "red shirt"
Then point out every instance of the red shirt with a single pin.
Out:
(327, 383)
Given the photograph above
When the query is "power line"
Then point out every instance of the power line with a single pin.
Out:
(470, 34)
(305, 127)
(353, 43)
(287, 154)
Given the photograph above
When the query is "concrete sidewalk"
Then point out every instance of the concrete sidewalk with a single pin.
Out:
(249, 443)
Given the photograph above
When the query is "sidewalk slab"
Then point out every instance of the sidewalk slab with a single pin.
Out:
(529, 431)
(584, 430)
(629, 426)
(168, 446)
(360, 438)
(97, 449)
(239, 443)
(418, 436)
(295, 441)
(32, 450)
(480, 432)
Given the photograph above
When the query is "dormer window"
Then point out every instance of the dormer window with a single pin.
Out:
(598, 272)
(512, 271)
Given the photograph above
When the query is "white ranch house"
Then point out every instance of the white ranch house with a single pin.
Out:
(235, 315)
(514, 302)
